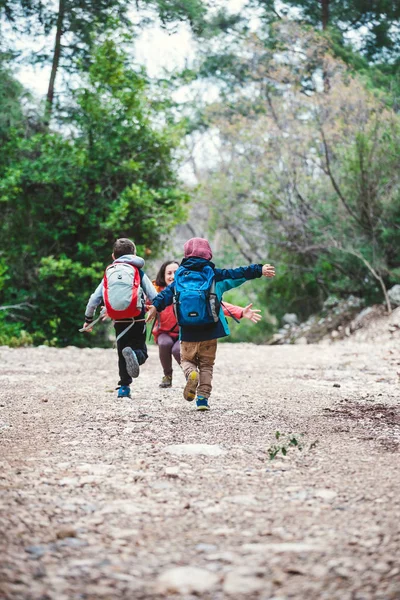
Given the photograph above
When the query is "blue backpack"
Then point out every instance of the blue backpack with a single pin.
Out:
(196, 303)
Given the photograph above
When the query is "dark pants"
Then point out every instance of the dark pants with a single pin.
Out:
(168, 347)
(135, 338)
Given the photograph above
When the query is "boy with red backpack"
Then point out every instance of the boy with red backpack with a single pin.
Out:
(197, 292)
(123, 291)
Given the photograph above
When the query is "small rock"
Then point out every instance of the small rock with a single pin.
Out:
(206, 547)
(236, 584)
(247, 500)
(36, 551)
(394, 295)
(72, 542)
(195, 449)
(186, 580)
(172, 472)
(337, 385)
(281, 547)
(290, 318)
(65, 533)
(325, 494)
(331, 302)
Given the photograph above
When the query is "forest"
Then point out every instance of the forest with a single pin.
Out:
(278, 140)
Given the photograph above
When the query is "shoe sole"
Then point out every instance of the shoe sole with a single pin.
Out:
(132, 365)
(189, 393)
(202, 408)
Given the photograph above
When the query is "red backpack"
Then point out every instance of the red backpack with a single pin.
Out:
(123, 295)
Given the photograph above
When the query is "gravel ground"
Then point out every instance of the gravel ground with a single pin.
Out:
(146, 498)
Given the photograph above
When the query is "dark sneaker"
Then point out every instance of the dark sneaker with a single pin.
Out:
(202, 403)
(132, 365)
(124, 391)
(189, 393)
(166, 381)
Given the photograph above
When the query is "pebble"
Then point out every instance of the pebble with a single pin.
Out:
(236, 584)
(325, 494)
(186, 580)
(195, 449)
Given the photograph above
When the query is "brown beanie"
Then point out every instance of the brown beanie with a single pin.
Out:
(198, 247)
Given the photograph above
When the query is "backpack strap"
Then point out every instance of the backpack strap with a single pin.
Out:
(119, 336)
(156, 318)
(214, 304)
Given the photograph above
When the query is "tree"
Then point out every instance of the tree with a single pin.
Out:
(66, 198)
(375, 23)
(363, 34)
(75, 25)
(309, 180)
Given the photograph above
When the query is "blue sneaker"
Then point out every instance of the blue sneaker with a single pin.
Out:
(202, 403)
(124, 391)
(132, 365)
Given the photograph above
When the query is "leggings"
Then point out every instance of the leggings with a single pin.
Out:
(168, 347)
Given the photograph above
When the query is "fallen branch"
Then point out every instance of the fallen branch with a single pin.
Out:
(22, 306)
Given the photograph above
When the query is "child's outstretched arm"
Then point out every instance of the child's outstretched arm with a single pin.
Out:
(268, 270)
(250, 272)
(253, 314)
(245, 273)
(94, 301)
(239, 312)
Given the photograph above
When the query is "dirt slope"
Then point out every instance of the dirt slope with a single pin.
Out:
(95, 503)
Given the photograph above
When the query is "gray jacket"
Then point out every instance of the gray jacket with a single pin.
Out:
(97, 297)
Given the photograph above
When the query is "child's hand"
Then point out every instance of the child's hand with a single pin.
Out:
(151, 313)
(268, 270)
(251, 314)
(87, 327)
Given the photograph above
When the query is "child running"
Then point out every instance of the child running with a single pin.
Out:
(199, 343)
(121, 291)
(166, 329)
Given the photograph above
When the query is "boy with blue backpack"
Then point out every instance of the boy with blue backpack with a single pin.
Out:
(123, 290)
(197, 294)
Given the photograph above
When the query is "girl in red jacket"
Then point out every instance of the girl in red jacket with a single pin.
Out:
(166, 328)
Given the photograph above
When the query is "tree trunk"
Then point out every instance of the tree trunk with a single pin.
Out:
(325, 14)
(325, 23)
(56, 61)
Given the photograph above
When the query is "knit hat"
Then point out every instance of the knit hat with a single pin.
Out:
(198, 247)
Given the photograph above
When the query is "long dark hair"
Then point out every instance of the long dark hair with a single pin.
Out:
(160, 278)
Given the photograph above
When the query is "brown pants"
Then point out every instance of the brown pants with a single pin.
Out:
(199, 356)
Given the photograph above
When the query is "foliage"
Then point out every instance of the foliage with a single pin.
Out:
(363, 34)
(66, 198)
(376, 23)
(304, 143)
(307, 175)
(246, 331)
(284, 442)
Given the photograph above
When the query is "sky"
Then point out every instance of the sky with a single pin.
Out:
(155, 48)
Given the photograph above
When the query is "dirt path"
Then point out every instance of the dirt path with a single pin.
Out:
(96, 504)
